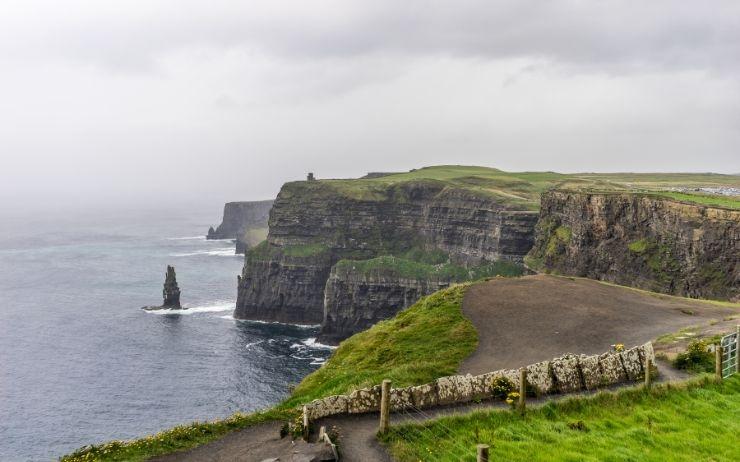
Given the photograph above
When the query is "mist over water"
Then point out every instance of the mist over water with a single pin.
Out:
(81, 363)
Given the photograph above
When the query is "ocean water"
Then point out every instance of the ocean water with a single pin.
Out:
(81, 363)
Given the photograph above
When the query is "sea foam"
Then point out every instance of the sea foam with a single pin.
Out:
(221, 252)
(187, 238)
(214, 308)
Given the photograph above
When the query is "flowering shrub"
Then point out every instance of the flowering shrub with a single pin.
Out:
(500, 387)
(619, 347)
(512, 398)
(296, 427)
(696, 358)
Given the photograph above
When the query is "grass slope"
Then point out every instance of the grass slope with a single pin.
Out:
(428, 340)
(699, 420)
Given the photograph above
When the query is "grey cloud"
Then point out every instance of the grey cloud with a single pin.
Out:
(617, 36)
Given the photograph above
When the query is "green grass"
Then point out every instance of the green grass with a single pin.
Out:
(391, 266)
(558, 240)
(703, 199)
(264, 250)
(521, 190)
(699, 420)
(426, 341)
(307, 250)
(639, 246)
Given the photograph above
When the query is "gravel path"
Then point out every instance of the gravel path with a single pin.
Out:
(534, 318)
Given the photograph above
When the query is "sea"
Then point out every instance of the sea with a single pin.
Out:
(82, 363)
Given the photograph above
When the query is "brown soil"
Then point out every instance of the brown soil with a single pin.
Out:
(534, 318)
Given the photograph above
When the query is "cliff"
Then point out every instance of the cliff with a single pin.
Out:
(315, 224)
(641, 240)
(244, 221)
(359, 293)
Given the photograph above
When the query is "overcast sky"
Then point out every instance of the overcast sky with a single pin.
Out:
(179, 100)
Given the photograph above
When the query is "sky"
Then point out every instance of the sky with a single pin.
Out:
(148, 101)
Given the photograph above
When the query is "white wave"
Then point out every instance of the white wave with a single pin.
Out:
(215, 308)
(312, 343)
(318, 362)
(187, 238)
(300, 326)
(221, 252)
(250, 345)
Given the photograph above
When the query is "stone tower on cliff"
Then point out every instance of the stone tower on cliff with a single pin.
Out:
(171, 292)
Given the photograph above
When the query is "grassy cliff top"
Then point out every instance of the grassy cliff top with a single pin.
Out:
(391, 266)
(517, 190)
(693, 197)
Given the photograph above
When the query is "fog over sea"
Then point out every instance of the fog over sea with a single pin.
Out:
(81, 363)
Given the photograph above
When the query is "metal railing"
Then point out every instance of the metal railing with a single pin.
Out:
(730, 344)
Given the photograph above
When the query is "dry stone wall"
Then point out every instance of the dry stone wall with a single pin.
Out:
(566, 374)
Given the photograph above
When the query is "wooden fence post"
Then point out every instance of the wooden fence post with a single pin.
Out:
(482, 453)
(305, 422)
(718, 361)
(385, 406)
(648, 378)
(522, 389)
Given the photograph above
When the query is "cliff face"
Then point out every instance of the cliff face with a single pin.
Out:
(354, 300)
(315, 224)
(644, 241)
(239, 219)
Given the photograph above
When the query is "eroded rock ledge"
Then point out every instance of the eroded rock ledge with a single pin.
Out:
(640, 240)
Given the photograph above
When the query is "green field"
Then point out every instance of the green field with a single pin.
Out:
(688, 422)
(522, 190)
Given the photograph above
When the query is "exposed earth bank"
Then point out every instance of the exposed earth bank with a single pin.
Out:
(534, 318)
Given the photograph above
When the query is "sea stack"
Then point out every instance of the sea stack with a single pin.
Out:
(171, 292)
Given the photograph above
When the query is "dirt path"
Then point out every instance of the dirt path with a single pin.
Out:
(534, 318)
(520, 321)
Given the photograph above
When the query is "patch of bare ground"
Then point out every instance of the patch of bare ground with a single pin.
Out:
(534, 318)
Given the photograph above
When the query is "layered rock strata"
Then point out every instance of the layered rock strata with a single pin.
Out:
(315, 224)
(239, 219)
(355, 301)
(645, 241)
(170, 292)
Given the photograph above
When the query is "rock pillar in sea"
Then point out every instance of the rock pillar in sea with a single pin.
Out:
(171, 292)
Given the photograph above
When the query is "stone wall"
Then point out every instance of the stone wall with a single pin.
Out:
(566, 374)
